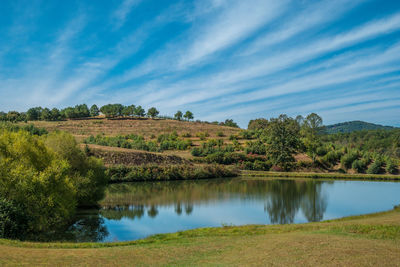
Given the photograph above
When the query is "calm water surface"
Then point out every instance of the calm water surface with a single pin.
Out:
(136, 210)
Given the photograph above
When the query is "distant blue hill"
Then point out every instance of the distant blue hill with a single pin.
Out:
(351, 126)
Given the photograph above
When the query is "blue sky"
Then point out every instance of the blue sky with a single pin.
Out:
(218, 58)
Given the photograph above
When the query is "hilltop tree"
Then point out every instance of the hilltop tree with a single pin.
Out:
(188, 115)
(129, 110)
(178, 115)
(283, 140)
(153, 112)
(94, 111)
(257, 124)
(112, 110)
(82, 111)
(46, 115)
(140, 112)
(55, 114)
(311, 130)
(230, 123)
(34, 114)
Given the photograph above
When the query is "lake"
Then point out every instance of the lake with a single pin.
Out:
(136, 210)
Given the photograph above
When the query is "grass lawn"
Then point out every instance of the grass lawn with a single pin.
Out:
(369, 240)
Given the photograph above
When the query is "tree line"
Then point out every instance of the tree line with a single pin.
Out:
(83, 111)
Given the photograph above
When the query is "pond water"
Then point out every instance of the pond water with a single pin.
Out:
(136, 210)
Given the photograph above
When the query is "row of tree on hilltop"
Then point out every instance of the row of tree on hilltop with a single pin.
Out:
(82, 111)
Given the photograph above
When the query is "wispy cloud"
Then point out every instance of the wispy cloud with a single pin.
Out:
(121, 13)
(219, 58)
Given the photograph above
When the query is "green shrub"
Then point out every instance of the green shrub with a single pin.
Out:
(14, 221)
(321, 151)
(34, 176)
(375, 167)
(359, 166)
(220, 134)
(391, 166)
(256, 147)
(347, 159)
(187, 135)
(170, 172)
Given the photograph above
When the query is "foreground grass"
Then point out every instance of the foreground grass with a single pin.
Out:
(368, 240)
(341, 176)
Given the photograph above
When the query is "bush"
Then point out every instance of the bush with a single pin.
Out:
(347, 159)
(332, 157)
(32, 175)
(170, 172)
(256, 147)
(321, 151)
(391, 166)
(13, 220)
(359, 166)
(375, 167)
(187, 135)
(220, 134)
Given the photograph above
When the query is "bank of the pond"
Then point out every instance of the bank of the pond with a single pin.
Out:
(372, 239)
(122, 173)
(338, 176)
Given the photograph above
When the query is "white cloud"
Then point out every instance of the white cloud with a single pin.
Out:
(120, 14)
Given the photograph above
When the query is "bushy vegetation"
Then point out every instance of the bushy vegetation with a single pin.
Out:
(47, 177)
(133, 141)
(170, 172)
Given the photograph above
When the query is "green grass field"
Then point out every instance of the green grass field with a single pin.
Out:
(368, 240)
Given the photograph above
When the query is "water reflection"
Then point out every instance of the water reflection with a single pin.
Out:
(136, 210)
(282, 198)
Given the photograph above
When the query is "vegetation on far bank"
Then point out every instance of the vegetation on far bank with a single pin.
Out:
(169, 172)
(314, 175)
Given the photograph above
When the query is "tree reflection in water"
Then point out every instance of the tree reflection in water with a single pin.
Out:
(283, 198)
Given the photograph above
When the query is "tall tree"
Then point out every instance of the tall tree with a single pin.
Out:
(153, 112)
(140, 112)
(311, 129)
(46, 114)
(34, 114)
(94, 111)
(283, 140)
(129, 110)
(178, 115)
(55, 114)
(188, 115)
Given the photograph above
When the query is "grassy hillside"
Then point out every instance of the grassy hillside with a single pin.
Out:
(144, 126)
(368, 240)
(351, 126)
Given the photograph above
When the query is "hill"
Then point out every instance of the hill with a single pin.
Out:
(143, 126)
(351, 126)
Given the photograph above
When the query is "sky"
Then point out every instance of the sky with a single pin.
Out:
(220, 59)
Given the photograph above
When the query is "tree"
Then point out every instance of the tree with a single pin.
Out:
(188, 115)
(46, 115)
(152, 112)
(139, 111)
(82, 111)
(311, 129)
(55, 114)
(230, 123)
(69, 113)
(112, 110)
(129, 110)
(178, 115)
(94, 111)
(283, 140)
(257, 124)
(34, 114)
